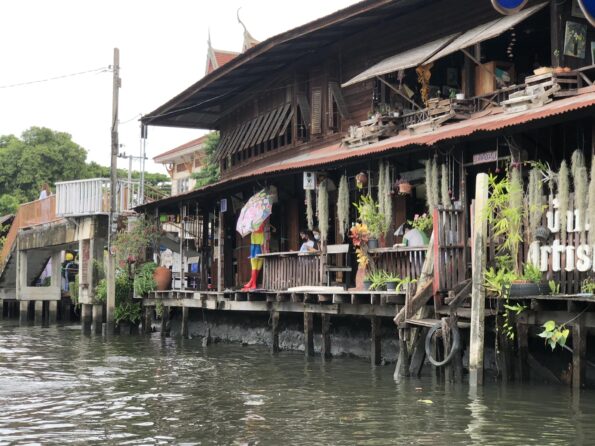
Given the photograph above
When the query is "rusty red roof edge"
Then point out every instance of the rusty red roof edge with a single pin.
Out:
(333, 153)
(184, 146)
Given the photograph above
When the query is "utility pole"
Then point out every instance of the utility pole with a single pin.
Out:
(113, 214)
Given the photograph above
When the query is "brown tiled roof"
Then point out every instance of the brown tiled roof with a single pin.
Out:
(184, 146)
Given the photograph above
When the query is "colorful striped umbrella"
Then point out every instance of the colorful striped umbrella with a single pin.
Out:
(254, 213)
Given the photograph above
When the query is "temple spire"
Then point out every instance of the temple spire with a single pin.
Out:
(249, 40)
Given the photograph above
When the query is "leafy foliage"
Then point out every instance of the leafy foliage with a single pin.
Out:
(131, 245)
(554, 335)
(370, 215)
(588, 286)
(210, 172)
(423, 223)
(42, 155)
(143, 279)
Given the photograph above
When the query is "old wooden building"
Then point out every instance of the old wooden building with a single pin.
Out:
(382, 88)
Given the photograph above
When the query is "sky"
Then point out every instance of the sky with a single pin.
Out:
(163, 48)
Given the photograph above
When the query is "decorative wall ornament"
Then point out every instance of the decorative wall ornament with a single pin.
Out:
(508, 7)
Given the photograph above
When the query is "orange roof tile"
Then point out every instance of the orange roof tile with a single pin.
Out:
(184, 146)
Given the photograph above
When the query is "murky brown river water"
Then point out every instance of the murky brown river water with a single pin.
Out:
(58, 386)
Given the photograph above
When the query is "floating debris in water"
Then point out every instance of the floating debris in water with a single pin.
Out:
(425, 401)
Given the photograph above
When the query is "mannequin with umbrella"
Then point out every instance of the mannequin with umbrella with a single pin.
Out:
(253, 220)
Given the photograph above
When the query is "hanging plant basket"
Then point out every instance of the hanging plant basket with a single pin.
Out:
(405, 188)
(361, 180)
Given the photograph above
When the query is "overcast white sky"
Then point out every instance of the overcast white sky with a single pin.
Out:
(162, 52)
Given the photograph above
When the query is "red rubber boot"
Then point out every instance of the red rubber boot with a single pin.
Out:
(252, 282)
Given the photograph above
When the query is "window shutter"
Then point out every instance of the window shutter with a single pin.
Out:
(316, 127)
(335, 90)
(302, 101)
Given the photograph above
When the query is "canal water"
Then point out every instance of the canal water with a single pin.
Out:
(58, 386)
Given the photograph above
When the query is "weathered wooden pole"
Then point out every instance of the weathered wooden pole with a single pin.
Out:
(375, 338)
(86, 316)
(96, 318)
(275, 332)
(185, 311)
(1, 309)
(579, 347)
(325, 347)
(478, 263)
(147, 319)
(52, 311)
(308, 334)
(221, 237)
(164, 321)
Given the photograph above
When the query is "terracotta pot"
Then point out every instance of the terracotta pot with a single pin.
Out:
(162, 276)
(359, 278)
(405, 188)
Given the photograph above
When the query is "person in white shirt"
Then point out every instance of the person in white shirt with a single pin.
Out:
(308, 242)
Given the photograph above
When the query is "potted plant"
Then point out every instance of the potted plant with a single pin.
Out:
(359, 235)
(145, 279)
(530, 283)
(403, 187)
(376, 280)
(423, 223)
(372, 218)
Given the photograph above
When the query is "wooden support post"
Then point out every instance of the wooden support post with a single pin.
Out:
(523, 345)
(447, 345)
(38, 315)
(164, 321)
(478, 260)
(1, 309)
(402, 368)
(65, 310)
(579, 349)
(221, 238)
(86, 316)
(97, 318)
(418, 354)
(185, 311)
(375, 338)
(275, 332)
(148, 320)
(308, 334)
(52, 311)
(23, 311)
(325, 347)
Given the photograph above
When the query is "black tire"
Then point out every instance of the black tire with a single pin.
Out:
(456, 344)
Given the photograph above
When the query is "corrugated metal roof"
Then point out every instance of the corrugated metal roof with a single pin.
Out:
(337, 154)
(402, 61)
(486, 31)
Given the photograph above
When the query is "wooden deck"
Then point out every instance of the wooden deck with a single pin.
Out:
(356, 303)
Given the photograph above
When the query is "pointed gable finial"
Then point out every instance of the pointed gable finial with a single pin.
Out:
(249, 41)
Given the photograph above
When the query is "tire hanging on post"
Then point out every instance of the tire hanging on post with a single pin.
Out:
(456, 344)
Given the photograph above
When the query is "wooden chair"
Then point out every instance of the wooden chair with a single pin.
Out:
(331, 265)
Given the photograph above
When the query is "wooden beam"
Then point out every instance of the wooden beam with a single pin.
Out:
(325, 346)
(375, 338)
(185, 313)
(275, 332)
(478, 261)
(308, 334)
(579, 350)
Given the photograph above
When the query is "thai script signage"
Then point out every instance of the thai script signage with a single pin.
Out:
(485, 157)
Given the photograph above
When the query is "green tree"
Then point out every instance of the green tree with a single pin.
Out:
(209, 173)
(8, 204)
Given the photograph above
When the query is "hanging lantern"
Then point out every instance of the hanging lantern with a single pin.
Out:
(588, 8)
(508, 7)
(361, 180)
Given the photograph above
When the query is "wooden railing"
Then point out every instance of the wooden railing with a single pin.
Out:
(29, 214)
(400, 261)
(283, 270)
(450, 255)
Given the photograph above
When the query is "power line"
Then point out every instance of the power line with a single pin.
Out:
(22, 84)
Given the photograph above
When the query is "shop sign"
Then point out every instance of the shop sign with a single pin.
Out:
(485, 157)
(580, 257)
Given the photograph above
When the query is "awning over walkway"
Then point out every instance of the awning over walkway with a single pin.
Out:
(408, 59)
(485, 32)
(440, 48)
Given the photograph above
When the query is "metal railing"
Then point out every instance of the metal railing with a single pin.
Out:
(89, 197)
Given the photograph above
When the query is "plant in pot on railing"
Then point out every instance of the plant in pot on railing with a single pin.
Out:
(423, 223)
(359, 236)
(372, 218)
(375, 280)
(396, 283)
